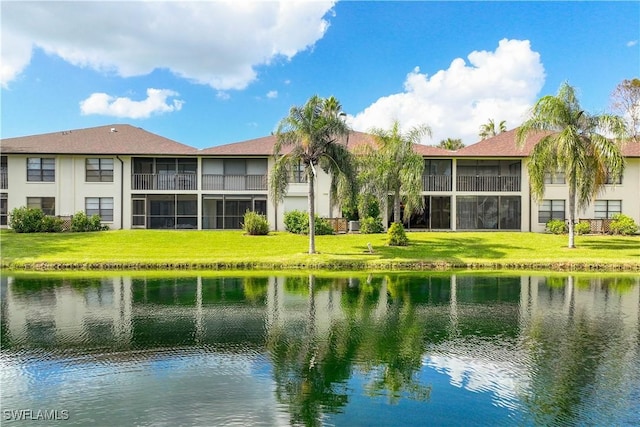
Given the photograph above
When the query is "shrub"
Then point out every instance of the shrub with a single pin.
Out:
(582, 228)
(623, 224)
(322, 226)
(397, 235)
(368, 206)
(298, 222)
(556, 226)
(81, 222)
(255, 224)
(371, 225)
(350, 211)
(26, 220)
(51, 224)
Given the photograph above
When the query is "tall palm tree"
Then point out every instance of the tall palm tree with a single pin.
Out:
(451, 144)
(312, 135)
(393, 166)
(575, 145)
(489, 129)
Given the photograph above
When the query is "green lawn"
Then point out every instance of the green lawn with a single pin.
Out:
(160, 249)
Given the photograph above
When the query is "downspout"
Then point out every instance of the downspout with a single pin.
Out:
(121, 191)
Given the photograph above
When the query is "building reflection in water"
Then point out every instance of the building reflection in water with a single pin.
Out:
(504, 335)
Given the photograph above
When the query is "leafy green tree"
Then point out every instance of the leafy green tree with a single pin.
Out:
(626, 101)
(572, 145)
(451, 144)
(312, 135)
(489, 129)
(392, 166)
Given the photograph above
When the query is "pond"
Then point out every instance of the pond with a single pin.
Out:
(152, 349)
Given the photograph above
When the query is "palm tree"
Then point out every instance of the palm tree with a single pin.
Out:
(489, 129)
(451, 144)
(391, 165)
(312, 134)
(574, 146)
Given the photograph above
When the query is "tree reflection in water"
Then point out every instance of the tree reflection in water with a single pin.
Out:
(533, 349)
(312, 368)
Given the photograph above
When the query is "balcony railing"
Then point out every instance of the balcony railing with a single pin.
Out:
(436, 183)
(488, 183)
(234, 182)
(164, 181)
(4, 180)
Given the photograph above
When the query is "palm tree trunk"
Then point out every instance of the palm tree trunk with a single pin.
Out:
(572, 215)
(396, 207)
(312, 215)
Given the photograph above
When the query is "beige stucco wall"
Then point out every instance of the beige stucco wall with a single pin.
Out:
(296, 198)
(628, 192)
(69, 188)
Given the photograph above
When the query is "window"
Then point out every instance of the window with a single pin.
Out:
(550, 209)
(437, 175)
(607, 208)
(41, 169)
(298, 173)
(222, 212)
(613, 180)
(101, 206)
(437, 167)
(554, 178)
(488, 212)
(3, 172)
(3, 209)
(170, 211)
(99, 170)
(46, 204)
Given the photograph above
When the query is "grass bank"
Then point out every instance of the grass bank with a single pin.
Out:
(216, 250)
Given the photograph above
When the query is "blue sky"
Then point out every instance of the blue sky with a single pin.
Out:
(209, 73)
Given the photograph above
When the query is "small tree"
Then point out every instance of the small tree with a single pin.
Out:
(392, 166)
(625, 100)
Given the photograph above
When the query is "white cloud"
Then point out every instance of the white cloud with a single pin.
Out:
(107, 105)
(499, 85)
(210, 42)
(272, 94)
(632, 43)
(222, 95)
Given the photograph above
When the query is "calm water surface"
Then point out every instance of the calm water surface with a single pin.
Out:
(387, 349)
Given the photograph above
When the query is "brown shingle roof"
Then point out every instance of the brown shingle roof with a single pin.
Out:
(504, 145)
(501, 145)
(264, 146)
(112, 139)
(631, 149)
(253, 147)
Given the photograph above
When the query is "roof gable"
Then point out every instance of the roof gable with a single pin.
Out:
(112, 139)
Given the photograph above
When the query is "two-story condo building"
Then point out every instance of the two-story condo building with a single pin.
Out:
(136, 179)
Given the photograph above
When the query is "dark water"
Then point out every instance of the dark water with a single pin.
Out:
(388, 349)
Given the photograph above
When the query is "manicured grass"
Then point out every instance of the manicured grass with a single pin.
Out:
(160, 249)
